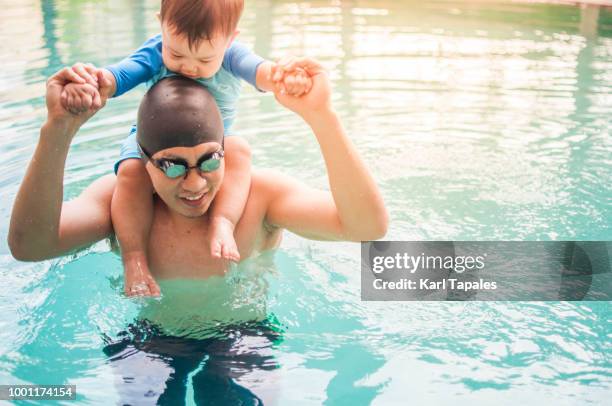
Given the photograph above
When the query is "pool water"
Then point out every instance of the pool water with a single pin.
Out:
(480, 121)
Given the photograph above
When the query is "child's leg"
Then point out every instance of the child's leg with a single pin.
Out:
(132, 215)
(231, 199)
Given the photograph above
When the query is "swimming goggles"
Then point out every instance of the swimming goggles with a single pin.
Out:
(176, 168)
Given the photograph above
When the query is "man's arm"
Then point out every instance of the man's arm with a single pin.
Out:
(354, 210)
(41, 225)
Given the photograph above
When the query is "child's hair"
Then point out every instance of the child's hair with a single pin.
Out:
(201, 19)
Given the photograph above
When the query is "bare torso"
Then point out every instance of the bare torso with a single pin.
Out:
(179, 249)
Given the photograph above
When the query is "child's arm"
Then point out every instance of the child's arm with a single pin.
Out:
(137, 68)
(264, 75)
(123, 76)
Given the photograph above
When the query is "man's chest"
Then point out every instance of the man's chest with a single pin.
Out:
(185, 253)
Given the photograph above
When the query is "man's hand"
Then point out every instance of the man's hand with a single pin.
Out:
(57, 112)
(82, 94)
(295, 81)
(317, 99)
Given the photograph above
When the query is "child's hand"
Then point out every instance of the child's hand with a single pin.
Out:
(139, 283)
(290, 78)
(85, 73)
(79, 98)
(85, 96)
(296, 83)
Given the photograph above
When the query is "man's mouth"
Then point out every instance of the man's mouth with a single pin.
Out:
(194, 200)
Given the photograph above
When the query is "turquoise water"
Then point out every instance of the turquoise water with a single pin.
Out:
(482, 121)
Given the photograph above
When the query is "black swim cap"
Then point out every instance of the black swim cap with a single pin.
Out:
(177, 112)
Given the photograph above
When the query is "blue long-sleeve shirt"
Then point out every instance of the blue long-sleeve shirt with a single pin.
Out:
(146, 66)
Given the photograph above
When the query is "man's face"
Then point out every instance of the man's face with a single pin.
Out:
(201, 62)
(192, 195)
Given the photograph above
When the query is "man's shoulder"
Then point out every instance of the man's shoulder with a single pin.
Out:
(267, 185)
(262, 193)
(264, 181)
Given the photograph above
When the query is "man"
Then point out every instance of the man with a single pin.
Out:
(42, 226)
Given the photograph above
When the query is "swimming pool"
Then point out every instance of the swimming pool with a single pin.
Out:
(480, 121)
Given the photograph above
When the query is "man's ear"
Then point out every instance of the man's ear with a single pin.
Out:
(158, 15)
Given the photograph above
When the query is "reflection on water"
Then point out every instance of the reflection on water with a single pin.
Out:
(481, 120)
(209, 371)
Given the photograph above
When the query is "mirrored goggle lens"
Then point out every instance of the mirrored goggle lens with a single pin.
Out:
(175, 171)
(178, 170)
(210, 165)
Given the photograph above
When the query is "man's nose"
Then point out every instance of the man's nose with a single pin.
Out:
(194, 182)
